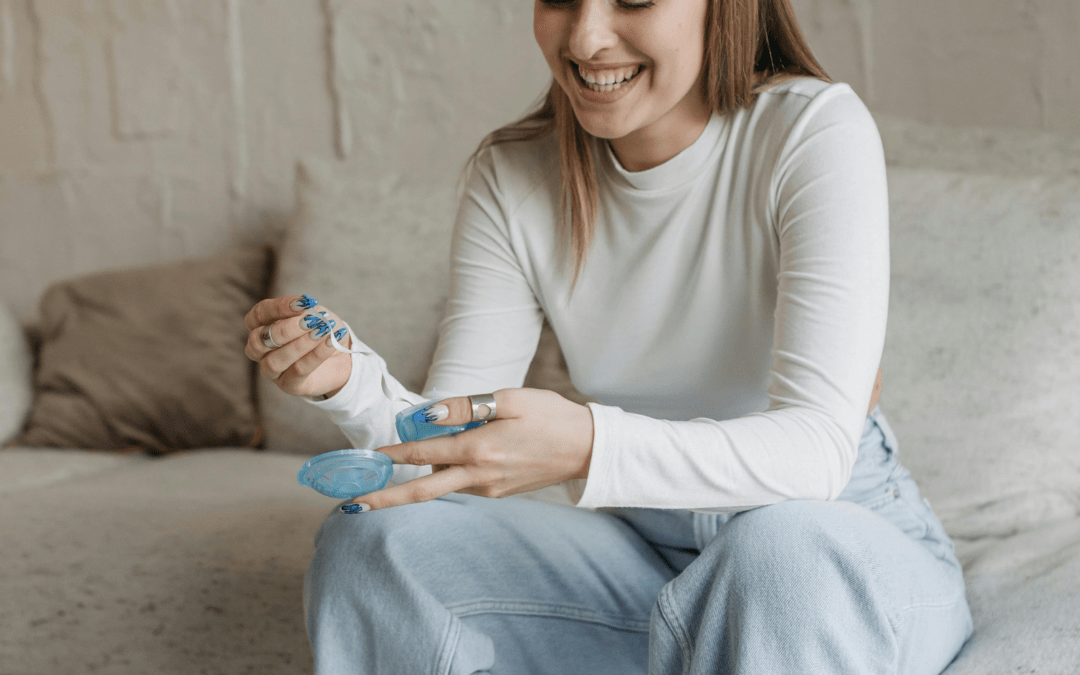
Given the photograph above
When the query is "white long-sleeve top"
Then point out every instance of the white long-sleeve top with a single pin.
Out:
(730, 316)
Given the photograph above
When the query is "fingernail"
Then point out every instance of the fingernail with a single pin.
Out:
(340, 333)
(311, 321)
(321, 330)
(322, 313)
(435, 413)
(304, 302)
(355, 508)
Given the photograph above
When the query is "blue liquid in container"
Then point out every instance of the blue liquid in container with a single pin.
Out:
(413, 426)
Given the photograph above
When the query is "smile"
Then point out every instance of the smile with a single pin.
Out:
(606, 80)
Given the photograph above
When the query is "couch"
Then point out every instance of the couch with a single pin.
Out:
(192, 561)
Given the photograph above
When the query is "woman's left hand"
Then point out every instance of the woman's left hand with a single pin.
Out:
(538, 439)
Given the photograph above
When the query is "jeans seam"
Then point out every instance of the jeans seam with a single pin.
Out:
(920, 604)
(671, 620)
(547, 609)
(446, 653)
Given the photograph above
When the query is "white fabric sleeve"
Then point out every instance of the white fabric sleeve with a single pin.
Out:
(487, 338)
(830, 213)
(489, 335)
(364, 413)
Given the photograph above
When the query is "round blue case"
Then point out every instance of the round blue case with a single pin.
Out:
(344, 474)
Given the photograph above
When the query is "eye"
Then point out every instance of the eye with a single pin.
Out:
(625, 4)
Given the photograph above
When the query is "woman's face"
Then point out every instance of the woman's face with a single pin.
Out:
(626, 65)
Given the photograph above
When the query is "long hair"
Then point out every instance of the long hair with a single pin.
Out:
(749, 45)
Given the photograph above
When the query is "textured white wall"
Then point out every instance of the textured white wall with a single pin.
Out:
(135, 131)
(1002, 63)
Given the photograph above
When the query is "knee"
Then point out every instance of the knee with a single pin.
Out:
(810, 546)
(353, 550)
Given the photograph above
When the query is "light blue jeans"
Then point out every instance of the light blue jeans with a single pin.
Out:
(865, 584)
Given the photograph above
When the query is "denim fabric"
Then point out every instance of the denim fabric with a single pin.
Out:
(463, 584)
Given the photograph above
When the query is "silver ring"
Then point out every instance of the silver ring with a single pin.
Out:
(483, 401)
(268, 339)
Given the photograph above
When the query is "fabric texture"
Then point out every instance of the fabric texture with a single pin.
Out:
(150, 358)
(519, 587)
(16, 386)
(374, 248)
(982, 350)
(730, 318)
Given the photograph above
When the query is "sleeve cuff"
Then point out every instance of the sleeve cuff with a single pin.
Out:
(592, 492)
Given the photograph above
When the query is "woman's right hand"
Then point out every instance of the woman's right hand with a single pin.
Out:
(304, 362)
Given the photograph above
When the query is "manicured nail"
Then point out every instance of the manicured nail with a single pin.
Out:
(304, 302)
(435, 413)
(321, 330)
(341, 332)
(322, 313)
(355, 508)
(311, 321)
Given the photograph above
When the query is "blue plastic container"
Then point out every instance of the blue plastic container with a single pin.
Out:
(413, 426)
(344, 474)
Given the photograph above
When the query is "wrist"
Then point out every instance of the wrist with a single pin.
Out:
(583, 469)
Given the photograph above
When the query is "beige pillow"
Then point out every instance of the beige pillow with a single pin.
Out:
(150, 358)
(375, 248)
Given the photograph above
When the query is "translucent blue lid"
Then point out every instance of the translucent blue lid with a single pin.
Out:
(344, 474)
(412, 424)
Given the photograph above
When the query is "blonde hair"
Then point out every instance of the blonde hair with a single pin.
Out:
(749, 46)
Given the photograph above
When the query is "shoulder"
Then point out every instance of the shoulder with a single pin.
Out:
(804, 113)
(515, 170)
(800, 105)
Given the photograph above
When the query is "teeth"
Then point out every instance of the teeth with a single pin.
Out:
(607, 80)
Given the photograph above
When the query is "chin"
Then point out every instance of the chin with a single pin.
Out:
(606, 126)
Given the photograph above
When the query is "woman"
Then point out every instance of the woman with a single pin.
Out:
(720, 283)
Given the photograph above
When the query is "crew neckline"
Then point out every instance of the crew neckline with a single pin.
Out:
(677, 170)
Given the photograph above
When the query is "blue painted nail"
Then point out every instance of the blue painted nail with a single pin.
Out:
(432, 413)
(340, 333)
(304, 302)
(311, 321)
(355, 508)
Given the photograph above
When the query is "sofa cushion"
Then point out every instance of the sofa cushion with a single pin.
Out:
(16, 390)
(1024, 592)
(375, 248)
(150, 358)
(982, 363)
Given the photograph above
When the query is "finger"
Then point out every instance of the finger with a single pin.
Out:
(266, 312)
(441, 450)
(458, 410)
(315, 323)
(422, 489)
(313, 357)
(277, 361)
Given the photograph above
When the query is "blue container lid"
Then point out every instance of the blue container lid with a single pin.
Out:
(344, 474)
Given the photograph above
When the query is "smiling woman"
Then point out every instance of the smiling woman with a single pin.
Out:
(702, 217)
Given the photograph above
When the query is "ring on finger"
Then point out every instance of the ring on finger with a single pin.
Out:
(483, 407)
(268, 339)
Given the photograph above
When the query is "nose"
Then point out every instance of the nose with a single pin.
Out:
(592, 31)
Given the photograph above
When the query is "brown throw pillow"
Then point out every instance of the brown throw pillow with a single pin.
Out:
(150, 358)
